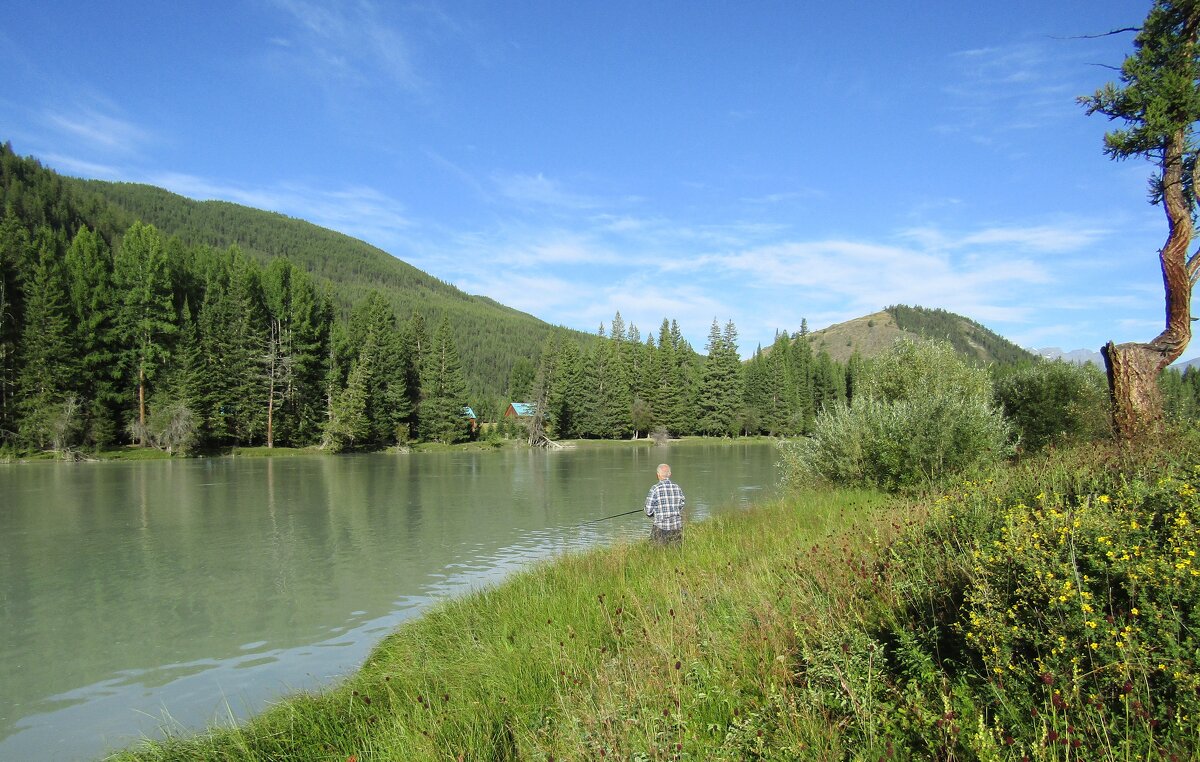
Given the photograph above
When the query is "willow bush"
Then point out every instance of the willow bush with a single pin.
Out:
(921, 415)
(1054, 403)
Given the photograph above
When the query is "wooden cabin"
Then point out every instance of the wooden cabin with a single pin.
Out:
(520, 410)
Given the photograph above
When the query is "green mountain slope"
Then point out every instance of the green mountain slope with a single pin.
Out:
(871, 335)
(489, 336)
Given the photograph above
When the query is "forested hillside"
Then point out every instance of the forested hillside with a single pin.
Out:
(489, 336)
(872, 335)
(230, 326)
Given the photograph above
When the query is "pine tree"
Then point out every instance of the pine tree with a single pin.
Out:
(413, 344)
(720, 395)
(89, 284)
(521, 380)
(48, 408)
(443, 390)
(610, 389)
(145, 317)
(780, 387)
(617, 329)
(231, 327)
(374, 332)
(15, 253)
(566, 392)
(825, 385)
(542, 391)
(756, 395)
(295, 353)
(349, 425)
(803, 404)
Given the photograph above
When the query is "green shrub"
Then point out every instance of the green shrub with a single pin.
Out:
(1054, 403)
(922, 414)
(1067, 625)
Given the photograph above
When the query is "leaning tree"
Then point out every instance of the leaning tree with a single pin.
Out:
(1159, 102)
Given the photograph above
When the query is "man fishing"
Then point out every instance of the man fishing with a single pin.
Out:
(664, 505)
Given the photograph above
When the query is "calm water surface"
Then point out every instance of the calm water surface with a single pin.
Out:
(134, 595)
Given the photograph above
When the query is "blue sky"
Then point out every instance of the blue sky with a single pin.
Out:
(760, 162)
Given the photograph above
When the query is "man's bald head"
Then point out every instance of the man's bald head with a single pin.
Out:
(664, 471)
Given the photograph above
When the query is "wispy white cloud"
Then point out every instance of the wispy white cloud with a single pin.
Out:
(348, 42)
(359, 211)
(770, 199)
(80, 167)
(1025, 85)
(580, 271)
(537, 189)
(1035, 238)
(97, 130)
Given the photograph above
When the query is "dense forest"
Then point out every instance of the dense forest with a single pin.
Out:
(489, 336)
(212, 325)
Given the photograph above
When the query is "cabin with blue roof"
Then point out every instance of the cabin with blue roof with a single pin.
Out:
(469, 414)
(520, 410)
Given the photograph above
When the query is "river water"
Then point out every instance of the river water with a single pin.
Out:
(177, 593)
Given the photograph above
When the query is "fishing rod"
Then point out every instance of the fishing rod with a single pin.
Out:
(615, 515)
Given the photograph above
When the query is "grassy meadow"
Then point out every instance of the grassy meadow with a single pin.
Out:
(1043, 611)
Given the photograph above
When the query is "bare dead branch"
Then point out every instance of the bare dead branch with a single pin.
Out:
(1098, 36)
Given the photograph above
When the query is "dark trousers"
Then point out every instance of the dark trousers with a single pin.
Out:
(666, 536)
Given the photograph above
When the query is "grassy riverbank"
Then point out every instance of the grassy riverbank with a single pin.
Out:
(1044, 613)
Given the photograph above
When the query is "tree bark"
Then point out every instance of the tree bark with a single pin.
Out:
(142, 406)
(1133, 368)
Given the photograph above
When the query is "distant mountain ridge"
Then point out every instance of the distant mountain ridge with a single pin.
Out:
(1077, 356)
(874, 334)
(1082, 356)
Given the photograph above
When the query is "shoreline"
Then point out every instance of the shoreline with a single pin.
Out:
(132, 454)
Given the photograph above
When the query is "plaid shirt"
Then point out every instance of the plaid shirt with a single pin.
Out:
(665, 505)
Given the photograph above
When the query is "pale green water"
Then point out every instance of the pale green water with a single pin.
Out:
(197, 588)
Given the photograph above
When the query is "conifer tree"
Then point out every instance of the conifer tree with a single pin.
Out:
(756, 394)
(780, 387)
(231, 325)
(48, 408)
(803, 404)
(145, 317)
(566, 393)
(89, 284)
(15, 253)
(374, 332)
(277, 358)
(443, 390)
(349, 425)
(610, 389)
(412, 346)
(543, 422)
(521, 380)
(617, 329)
(296, 351)
(720, 396)
(825, 385)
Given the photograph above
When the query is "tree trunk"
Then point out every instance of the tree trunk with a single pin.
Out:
(271, 414)
(142, 406)
(1133, 368)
